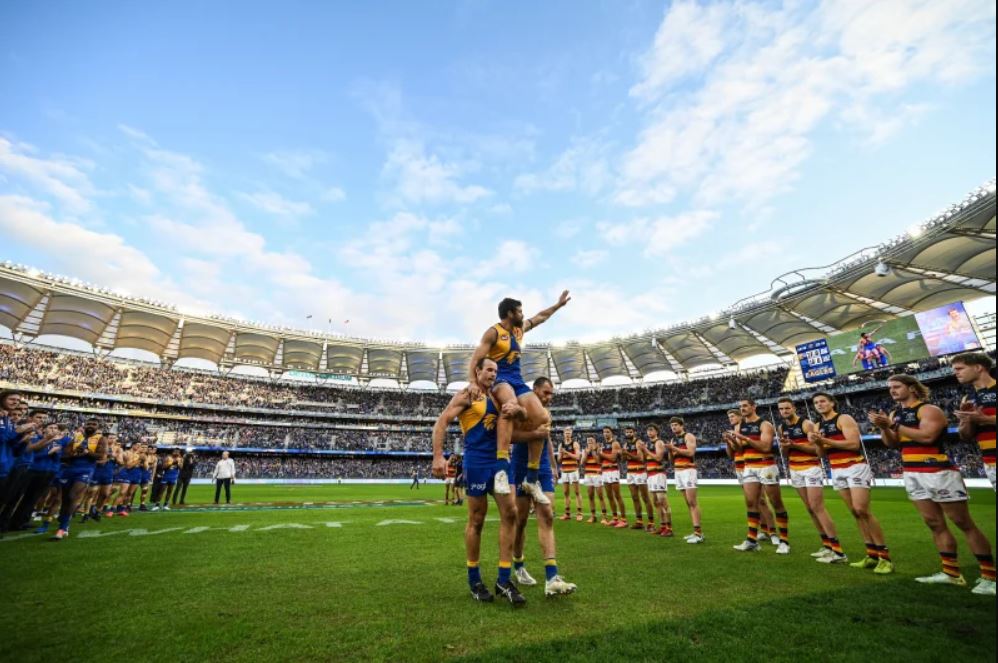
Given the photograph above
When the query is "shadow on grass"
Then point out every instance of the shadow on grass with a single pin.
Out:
(895, 621)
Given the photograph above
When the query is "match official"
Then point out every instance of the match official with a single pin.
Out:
(224, 474)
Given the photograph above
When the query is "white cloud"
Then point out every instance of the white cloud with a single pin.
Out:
(732, 92)
(334, 194)
(295, 163)
(584, 167)
(567, 229)
(516, 255)
(589, 258)
(660, 235)
(276, 204)
(60, 177)
(419, 177)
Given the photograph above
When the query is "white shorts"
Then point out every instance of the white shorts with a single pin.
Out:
(686, 479)
(658, 483)
(945, 486)
(990, 470)
(593, 480)
(449, 481)
(767, 476)
(637, 479)
(569, 477)
(858, 476)
(611, 477)
(740, 475)
(813, 477)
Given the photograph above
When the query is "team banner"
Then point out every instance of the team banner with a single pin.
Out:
(816, 361)
(948, 330)
(877, 344)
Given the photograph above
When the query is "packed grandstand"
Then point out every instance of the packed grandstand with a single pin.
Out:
(280, 428)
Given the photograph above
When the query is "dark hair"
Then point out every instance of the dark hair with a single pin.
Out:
(7, 393)
(968, 358)
(921, 391)
(786, 400)
(63, 427)
(481, 362)
(36, 410)
(827, 395)
(541, 381)
(607, 428)
(630, 428)
(507, 306)
(750, 401)
(655, 426)
(677, 420)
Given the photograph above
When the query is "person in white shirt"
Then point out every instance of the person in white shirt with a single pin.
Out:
(224, 474)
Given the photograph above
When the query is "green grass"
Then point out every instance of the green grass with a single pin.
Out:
(363, 591)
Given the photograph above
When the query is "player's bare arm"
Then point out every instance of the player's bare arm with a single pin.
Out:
(543, 316)
(457, 405)
(489, 339)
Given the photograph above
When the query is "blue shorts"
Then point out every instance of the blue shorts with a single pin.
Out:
(103, 476)
(146, 476)
(480, 479)
(545, 476)
(515, 381)
(71, 475)
(121, 476)
(168, 479)
(134, 475)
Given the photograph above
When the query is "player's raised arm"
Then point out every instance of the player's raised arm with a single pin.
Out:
(457, 405)
(546, 313)
(489, 339)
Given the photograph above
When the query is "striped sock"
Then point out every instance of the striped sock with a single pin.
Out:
(518, 562)
(550, 568)
(474, 574)
(783, 524)
(872, 551)
(753, 526)
(697, 530)
(502, 455)
(504, 572)
(951, 566)
(883, 553)
(826, 541)
(835, 546)
(987, 563)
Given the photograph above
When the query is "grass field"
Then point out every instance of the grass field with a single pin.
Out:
(367, 581)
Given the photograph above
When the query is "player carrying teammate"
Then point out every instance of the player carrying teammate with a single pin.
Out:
(478, 416)
(933, 483)
(840, 442)
(977, 411)
(762, 477)
(502, 343)
(569, 456)
(554, 584)
(682, 449)
(807, 476)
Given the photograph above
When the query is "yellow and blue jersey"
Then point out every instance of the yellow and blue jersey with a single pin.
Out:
(506, 351)
(478, 423)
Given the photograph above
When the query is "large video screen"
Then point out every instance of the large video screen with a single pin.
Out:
(877, 344)
(948, 330)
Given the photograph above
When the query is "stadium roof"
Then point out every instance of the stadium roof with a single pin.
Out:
(948, 258)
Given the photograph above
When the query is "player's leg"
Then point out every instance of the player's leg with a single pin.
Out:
(616, 494)
(959, 514)
(771, 487)
(814, 497)
(636, 501)
(505, 588)
(504, 394)
(170, 488)
(478, 507)
(601, 496)
(567, 487)
(752, 491)
(862, 512)
(767, 523)
(72, 495)
(554, 584)
(519, 541)
(649, 508)
(935, 519)
(536, 417)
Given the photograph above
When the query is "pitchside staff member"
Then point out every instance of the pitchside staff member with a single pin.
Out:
(188, 464)
(224, 475)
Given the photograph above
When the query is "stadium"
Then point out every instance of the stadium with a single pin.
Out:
(179, 484)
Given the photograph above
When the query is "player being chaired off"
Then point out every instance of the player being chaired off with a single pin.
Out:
(503, 343)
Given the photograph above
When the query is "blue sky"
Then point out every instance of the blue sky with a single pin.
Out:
(404, 166)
